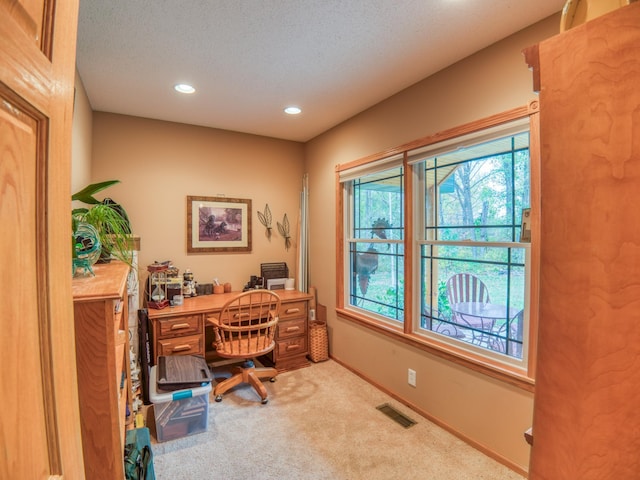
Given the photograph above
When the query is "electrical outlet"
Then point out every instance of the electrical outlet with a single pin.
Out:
(412, 378)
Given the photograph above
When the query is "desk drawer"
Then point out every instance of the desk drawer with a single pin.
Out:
(291, 347)
(292, 328)
(179, 326)
(292, 310)
(192, 345)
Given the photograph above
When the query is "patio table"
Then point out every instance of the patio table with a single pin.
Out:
(481, 318)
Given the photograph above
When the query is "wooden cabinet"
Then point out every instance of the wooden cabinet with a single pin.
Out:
(180, 330)
(180, 335)
(104, 377)
(292, 336)
(586, 417)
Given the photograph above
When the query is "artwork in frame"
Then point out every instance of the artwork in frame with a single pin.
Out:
(218, 224)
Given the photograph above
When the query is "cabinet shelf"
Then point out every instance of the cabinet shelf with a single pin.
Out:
(104, 377)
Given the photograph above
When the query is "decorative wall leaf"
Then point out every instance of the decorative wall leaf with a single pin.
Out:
(265, 218)
(284, 230)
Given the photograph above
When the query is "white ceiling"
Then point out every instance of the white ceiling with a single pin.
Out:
(248, 59)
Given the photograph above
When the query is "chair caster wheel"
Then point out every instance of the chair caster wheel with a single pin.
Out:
(265, 401)
(272, 379)
(218, 398)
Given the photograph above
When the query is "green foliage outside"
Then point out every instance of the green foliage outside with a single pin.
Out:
(479, 199)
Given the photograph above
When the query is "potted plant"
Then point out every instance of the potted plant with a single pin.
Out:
(108, 218)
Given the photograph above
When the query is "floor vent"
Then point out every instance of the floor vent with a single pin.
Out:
(395, 415)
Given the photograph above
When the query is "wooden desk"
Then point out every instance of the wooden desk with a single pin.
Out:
(180, 330)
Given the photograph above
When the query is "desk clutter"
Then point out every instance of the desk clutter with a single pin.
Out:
(179, 388)
(166, 287)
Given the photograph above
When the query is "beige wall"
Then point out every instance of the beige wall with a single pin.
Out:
(160, 163)
(82, 138)
(491, 413)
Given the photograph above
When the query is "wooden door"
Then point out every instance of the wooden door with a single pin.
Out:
(39, 419)
(586, 420)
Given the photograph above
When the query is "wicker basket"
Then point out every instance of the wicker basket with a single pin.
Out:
(318, 341)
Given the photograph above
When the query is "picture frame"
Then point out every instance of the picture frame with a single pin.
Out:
(218, 224)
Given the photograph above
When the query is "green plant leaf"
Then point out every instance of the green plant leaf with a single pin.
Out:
(86, 194)
(113, 229)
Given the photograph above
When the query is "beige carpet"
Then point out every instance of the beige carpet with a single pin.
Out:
(320, 423)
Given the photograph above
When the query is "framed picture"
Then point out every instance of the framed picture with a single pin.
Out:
(218, 224)
(525, 231)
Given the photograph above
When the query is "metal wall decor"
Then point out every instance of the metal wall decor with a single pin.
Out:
(284, 228)
(265, 219)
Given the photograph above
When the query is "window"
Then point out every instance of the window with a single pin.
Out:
(473, 267)
(375, 246)
(430, 242)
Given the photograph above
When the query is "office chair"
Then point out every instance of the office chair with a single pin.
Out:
(245, 329)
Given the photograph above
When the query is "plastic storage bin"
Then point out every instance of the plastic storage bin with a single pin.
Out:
(178, 413)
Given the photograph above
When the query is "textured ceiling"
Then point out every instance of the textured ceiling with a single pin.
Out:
(248, 59)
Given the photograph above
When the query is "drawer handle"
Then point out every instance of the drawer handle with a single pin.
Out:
(292, 329)
(292, 347)
(181, 348)
(292, 310)
(241, 315)
(179, 326)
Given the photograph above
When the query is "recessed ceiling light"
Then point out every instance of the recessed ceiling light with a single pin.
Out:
(293, 110)
(184, 88)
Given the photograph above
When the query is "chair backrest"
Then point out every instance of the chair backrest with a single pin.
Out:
(499, 340)
(246, 325)
(465, 287)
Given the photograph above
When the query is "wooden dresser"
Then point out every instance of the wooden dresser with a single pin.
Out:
(104, 376)
(180, 330)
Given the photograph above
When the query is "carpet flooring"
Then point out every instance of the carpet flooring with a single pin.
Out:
(321, 422)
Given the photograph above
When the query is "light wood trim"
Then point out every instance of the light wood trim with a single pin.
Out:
(340, 254)
(491, 121)
(481, 364)
(409, 236)
(532, 57)
(536, 211)
(461, 357)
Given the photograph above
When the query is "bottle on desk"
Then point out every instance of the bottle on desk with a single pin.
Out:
(188, 285)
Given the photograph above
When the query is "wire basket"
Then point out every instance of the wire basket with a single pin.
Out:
(318, 341)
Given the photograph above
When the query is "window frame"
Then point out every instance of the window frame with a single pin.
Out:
(522, 375)
(387, 164)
